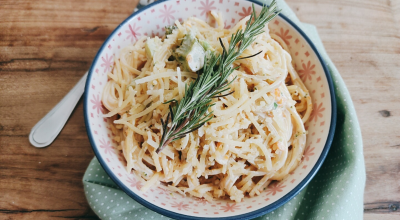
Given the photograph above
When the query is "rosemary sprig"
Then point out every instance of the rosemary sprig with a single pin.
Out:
(191, 112)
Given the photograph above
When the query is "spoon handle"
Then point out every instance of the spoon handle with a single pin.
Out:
(47, 129)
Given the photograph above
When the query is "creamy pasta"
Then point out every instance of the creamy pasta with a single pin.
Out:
(256, 136)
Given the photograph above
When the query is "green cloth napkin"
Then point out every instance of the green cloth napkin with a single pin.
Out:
(336, 192)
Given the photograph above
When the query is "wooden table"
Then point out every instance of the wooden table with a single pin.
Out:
(46, 46)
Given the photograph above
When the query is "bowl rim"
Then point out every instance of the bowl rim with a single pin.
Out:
(255, 213)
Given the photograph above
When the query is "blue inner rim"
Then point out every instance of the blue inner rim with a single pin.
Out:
(249, 215)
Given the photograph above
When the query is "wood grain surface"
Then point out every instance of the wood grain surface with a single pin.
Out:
(46, 46)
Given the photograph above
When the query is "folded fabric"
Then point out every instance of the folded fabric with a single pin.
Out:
(336, 192)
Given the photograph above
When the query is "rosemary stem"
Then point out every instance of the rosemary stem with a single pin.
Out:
(191, 112)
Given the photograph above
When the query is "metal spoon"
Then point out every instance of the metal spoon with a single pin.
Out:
(48, 128)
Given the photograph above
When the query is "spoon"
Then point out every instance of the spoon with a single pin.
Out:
(48, 128)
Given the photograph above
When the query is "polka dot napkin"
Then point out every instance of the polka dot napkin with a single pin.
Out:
(336, 192)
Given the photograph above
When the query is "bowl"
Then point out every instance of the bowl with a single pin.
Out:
(149, 21)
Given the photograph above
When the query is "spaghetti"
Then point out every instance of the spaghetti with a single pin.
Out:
(257, 134)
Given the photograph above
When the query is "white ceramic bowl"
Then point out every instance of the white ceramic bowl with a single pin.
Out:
(150, 21)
